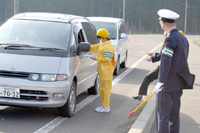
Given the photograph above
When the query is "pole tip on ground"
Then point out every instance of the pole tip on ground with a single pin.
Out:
(131, 113)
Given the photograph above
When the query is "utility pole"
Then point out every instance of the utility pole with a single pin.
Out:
(124, 10)
(185, 27)
(119, 12)
(16, 6)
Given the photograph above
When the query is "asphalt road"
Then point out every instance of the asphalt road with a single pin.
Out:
(86, 120)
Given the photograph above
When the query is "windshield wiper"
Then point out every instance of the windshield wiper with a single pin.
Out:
(18, 45)
(29, 46)
(52, 49)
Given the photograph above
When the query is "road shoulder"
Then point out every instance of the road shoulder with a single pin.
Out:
(145, 120)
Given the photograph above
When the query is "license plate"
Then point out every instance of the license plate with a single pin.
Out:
(9, 92)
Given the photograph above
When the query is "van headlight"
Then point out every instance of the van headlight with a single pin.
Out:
(47, 77)
(34, 77)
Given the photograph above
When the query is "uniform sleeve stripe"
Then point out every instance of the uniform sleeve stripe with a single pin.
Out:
(168, 52)
(108, 54)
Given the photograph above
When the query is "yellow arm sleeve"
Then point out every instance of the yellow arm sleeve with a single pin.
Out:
(94, 48)
(108, 55)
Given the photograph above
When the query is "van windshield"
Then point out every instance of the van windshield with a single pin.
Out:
(44, 34)
(109, 26)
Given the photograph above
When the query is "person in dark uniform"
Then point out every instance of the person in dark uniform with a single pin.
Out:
(151, 76)
(170, 85)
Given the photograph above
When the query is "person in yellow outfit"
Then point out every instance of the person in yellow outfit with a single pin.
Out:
(105, 55)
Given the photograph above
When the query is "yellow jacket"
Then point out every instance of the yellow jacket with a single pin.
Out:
(105, 52)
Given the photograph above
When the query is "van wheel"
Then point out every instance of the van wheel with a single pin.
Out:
(68, 110)
(95, 89)
(123, 65)
(116, 71)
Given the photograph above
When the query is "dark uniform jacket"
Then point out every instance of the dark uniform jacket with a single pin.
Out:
(174, 61)
(157, 56)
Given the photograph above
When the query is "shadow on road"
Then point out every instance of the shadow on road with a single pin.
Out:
(15, 119)
(188, 125)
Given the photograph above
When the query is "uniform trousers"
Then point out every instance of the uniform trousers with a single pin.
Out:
(150, 77)
(167, 112)
(105, 87)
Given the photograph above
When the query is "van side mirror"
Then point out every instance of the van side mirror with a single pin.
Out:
(123, 35)
(84, 46)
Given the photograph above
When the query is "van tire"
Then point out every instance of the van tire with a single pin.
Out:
(68, 110)
(123, 65)
(116, 71)
(94, 90)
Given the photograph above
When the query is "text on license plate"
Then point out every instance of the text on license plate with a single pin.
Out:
(9, 92)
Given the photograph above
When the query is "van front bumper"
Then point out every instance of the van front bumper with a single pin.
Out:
(36, 93)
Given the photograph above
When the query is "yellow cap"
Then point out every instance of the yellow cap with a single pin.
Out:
(102, 33)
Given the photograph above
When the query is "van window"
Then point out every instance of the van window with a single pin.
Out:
(73, 46)
(90, 32)
(109, 26)
(122, 29)
(80, 37)
(78, 33)
(44, 34)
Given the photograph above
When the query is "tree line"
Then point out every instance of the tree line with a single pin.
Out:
(140, 15)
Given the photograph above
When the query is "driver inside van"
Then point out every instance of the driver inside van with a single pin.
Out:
(31, 34)
(105, 55)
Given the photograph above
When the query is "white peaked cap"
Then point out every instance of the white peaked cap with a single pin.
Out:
(168, 14)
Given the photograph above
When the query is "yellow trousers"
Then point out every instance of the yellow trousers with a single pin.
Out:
(105, 91)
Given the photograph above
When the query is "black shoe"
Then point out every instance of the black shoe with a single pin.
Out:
(137, 97)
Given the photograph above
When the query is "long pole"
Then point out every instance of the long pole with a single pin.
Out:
(124, 9)
(185, 27)
(142, 103)
(16, 6)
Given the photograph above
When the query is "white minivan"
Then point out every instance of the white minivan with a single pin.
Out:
(118, 35)
(41, 62)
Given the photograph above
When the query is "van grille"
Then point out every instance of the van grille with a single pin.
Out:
(33, 95)
(14, 74)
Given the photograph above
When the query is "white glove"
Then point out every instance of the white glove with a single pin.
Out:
(158, 87)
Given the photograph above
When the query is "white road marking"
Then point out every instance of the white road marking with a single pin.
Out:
(57, 121)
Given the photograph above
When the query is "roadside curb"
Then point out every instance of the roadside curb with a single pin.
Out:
(145, 120)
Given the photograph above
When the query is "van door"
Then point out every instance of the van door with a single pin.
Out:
(81, 59)
(87, 67)
(89, 31)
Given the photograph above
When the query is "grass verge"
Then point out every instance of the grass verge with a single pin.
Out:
(197, 41)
